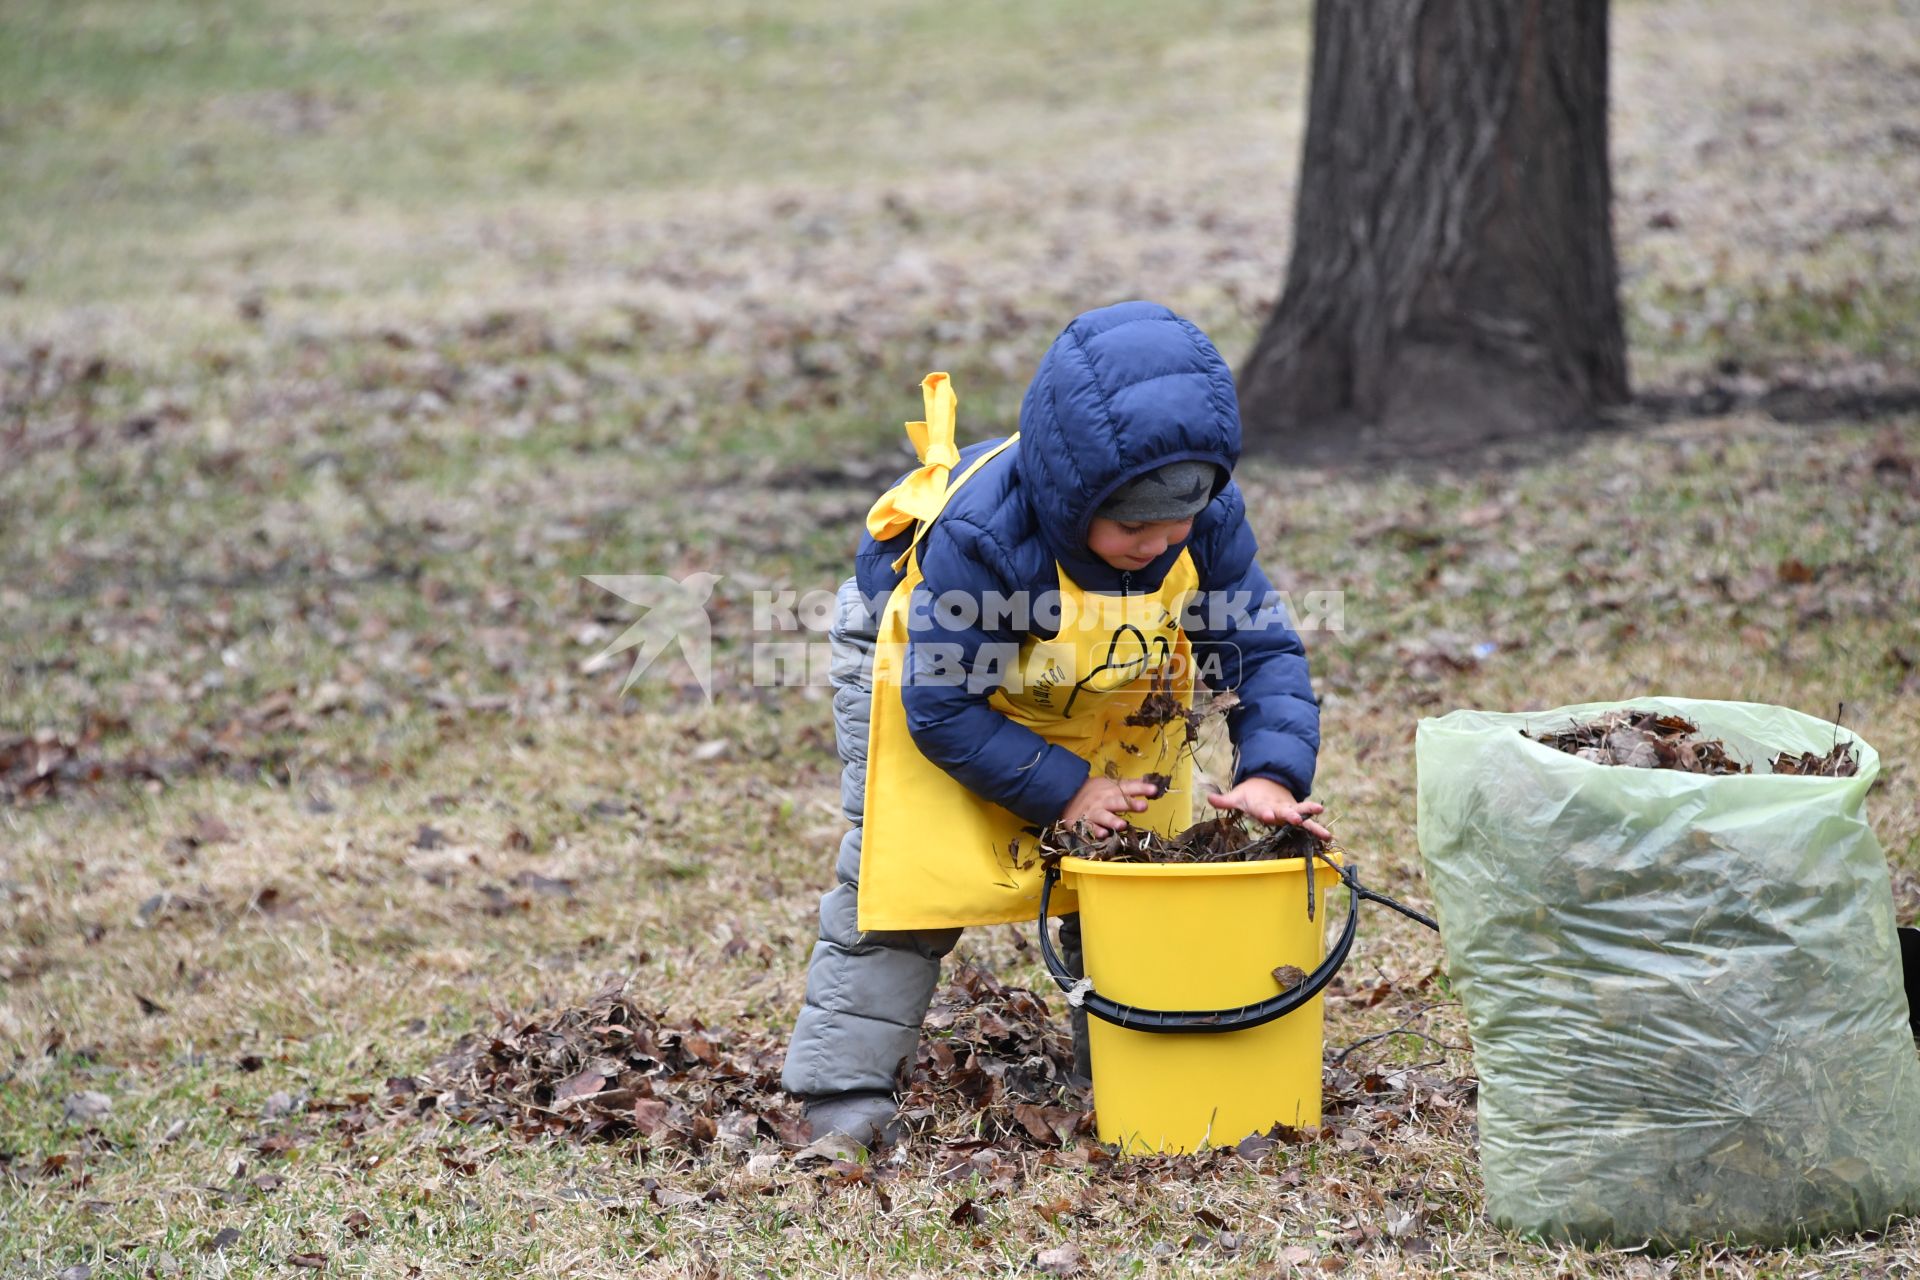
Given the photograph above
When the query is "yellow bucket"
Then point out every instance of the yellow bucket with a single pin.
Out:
(1242, 1053)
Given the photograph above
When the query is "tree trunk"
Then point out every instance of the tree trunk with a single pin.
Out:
(1453, 277)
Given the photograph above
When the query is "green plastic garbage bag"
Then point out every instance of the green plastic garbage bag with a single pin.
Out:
(1684, 992)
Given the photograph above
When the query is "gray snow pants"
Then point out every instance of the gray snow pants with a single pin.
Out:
(867, 993)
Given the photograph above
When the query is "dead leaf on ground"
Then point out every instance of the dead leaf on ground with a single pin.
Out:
(87, 1106)
(1062, 1260)
(832, 1146)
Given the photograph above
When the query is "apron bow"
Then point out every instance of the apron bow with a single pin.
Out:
(918, 498)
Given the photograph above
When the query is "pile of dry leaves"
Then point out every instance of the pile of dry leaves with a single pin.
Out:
(1841, 762)
(612, 1069)
(993, 1078)
(46, 764)
(995, 1064)
(993, 1067)
(40, 765)
(1643, 739)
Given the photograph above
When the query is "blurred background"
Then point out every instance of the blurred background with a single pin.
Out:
(372, 315)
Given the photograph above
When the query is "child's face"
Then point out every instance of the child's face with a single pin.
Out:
(1132, 544)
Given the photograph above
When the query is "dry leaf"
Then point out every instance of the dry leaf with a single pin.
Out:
(1062, 1260)
(87, 1106)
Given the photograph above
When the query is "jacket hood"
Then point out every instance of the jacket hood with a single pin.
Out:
(1121, 391)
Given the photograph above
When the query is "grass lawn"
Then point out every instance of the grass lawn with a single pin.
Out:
(339, 340)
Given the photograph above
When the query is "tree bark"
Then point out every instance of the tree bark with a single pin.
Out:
(1453, 277)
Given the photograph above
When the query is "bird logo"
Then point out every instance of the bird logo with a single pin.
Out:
(675, 610)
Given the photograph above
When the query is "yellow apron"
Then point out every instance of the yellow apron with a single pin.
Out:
(935, 855)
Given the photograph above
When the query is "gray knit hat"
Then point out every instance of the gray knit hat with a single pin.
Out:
(1173, 492)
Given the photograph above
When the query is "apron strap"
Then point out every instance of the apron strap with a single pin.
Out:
(952, 489)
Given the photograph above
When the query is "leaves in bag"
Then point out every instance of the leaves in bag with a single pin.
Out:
(1641, 739)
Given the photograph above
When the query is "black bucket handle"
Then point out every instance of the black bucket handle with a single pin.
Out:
(1080, 992)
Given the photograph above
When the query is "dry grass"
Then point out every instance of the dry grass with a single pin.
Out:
(327, 945)
(311, 536)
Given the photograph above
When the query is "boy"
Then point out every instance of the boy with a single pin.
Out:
(1012, 606)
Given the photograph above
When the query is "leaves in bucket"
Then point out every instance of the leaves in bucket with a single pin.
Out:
(1231, 837)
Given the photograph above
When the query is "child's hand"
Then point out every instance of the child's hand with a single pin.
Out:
(1273, 804)
(1100, 801)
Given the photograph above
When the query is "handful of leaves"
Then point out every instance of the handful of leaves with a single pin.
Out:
(1230, 837)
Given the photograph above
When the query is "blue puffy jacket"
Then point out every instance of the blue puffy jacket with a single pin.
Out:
(1122, 390)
